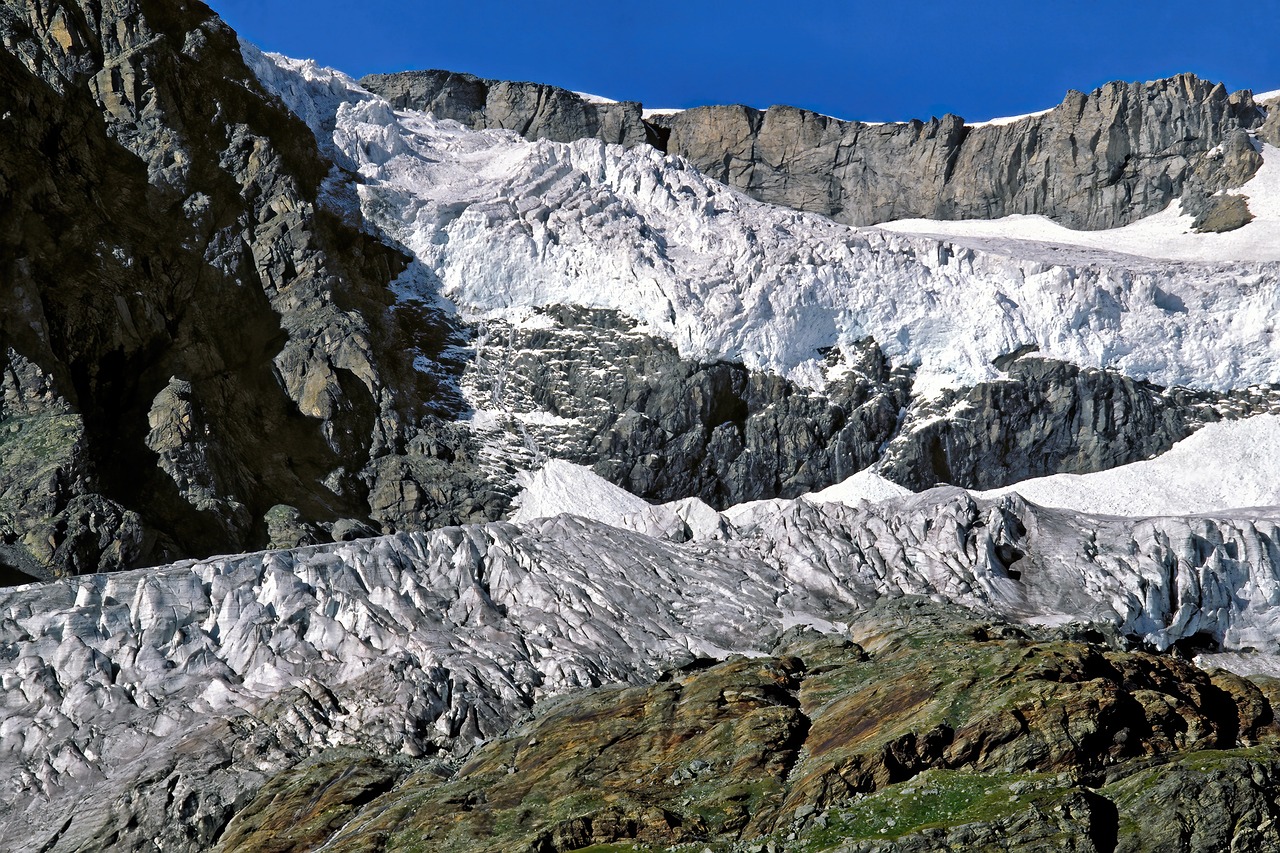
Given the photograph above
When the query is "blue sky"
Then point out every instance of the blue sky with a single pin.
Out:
(866, 60)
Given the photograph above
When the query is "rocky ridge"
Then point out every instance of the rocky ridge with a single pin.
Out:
(1098, 160)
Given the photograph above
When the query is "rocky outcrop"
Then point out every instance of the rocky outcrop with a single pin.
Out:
(533, 110)
(1098, 160)
(1049, 417)
(1270, 130)
(190, 337)
(592, 388)
(1223, 213)
(938, 721)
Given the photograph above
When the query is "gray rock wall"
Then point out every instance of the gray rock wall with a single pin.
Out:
(534, 110)
(1098, 160)
(189, 338)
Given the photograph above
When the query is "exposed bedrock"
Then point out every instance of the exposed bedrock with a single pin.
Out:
(1098, 160)
(590, 387)
(625, 402)
(1050, 417)
(534, 110)
(189, 336)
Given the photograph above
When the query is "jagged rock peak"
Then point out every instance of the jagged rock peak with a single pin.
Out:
(535, 110)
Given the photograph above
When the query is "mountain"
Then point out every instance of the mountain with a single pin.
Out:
(627, 486)
(1096, 161)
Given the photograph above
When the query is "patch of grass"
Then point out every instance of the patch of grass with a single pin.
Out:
(936, 798)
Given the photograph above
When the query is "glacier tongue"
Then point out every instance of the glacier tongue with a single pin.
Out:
(121, 687)
(504, 225)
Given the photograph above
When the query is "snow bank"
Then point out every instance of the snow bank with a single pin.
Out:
(1003, 120)
(562, 487)
(863, 486)
(595, 99)
(1224, 466)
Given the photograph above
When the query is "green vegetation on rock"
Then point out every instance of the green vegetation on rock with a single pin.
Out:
(936, 730)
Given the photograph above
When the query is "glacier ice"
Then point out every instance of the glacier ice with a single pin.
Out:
(207, 676)
(505, 225)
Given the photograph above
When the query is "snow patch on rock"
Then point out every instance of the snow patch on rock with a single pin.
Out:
(1166, 235)
(1220, 468)
(863, 486)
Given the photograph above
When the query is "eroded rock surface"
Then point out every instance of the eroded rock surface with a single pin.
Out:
(591, 388)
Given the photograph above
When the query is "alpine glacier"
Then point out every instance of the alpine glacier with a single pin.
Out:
(502, 225)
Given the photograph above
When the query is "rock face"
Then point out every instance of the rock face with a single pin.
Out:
(1048, 417)
(589, 387)
(190, 336)
(533, 110)
(1098, 160)
(1270, 130)
(1223, 213)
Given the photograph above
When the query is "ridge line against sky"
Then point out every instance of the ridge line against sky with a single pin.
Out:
(855, 60)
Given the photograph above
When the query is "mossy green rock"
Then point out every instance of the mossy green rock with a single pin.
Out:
(934, 731)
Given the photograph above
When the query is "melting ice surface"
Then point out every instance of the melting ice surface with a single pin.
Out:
(505, 225)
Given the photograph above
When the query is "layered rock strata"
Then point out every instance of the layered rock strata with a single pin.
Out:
(1098, 160)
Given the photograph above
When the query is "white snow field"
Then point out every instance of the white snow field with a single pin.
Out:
(1224, 466)
(504, 225)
